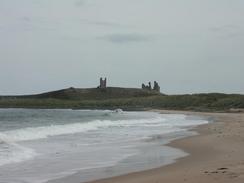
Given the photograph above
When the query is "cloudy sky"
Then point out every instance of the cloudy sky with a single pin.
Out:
(188, 46)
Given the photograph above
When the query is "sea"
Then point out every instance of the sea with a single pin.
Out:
(64, 145)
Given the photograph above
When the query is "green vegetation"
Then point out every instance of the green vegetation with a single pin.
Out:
(127, 99)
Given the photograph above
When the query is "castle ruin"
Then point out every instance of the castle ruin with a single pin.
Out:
(103, 83)
(156, 87)
(149, 87)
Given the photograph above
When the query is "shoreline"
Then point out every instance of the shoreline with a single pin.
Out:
(215, 154)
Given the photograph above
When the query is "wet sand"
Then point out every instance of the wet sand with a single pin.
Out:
(216, 155)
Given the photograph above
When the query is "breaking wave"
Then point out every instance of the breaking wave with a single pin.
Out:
(35, 133)
(11, 152)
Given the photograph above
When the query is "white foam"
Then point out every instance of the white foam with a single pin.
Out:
(35, 133)
(25, 134)
(11, 152)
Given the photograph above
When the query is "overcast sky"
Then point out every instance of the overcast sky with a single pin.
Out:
(188, 46)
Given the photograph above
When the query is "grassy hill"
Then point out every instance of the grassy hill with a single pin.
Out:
(96, 93)
(125, 98)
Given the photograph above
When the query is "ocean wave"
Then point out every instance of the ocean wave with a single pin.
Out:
(34, 133)
(11, 152)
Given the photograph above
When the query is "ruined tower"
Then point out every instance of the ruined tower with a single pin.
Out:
(103, 83)
(156, 86)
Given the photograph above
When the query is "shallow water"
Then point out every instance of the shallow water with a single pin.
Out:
(79, 145)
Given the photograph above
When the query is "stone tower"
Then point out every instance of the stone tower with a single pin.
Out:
(156, 86)
(103, 83)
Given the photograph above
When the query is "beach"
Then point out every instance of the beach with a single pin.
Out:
(84, 145)
(216, 154)
(120, 147)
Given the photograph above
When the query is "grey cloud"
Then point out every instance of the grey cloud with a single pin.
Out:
(26, 19)
(227, 31)
(126, 38)
(234, 35)
(224, 28)
(79, 3)
(102, 23)
(118, 36)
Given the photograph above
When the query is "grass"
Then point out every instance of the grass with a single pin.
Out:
(196, 102)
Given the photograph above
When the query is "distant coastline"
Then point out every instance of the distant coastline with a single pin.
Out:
(126, 99)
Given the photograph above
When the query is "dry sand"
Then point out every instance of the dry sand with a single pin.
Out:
(216, 155)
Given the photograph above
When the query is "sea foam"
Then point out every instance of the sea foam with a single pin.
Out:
(12, 141)
(11, 152)
(35, 133)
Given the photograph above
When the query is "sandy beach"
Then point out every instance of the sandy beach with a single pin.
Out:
(216, 155)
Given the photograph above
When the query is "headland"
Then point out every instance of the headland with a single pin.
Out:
(144, 98)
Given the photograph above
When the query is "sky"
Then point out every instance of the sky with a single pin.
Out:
(190, 46)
